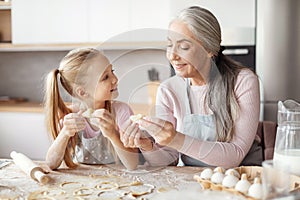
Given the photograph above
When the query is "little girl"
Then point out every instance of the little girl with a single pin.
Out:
(87, 75)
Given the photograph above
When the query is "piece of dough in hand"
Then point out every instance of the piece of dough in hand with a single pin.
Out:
(88, 113)
(135, 118)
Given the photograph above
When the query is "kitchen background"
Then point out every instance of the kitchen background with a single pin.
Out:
(36, 34)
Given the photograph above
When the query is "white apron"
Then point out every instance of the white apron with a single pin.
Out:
(203, 127)
(198, 126)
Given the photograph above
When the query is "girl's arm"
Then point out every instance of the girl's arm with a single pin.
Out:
(128, 156)
(57, 149)
(72, 123)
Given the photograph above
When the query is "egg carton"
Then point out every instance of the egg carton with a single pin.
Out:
(252, 172)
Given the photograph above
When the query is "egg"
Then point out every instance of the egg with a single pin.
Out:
(206, 174)
(230, 180)
(218, 175)
(255, 190)
(219, 169)
(235, 172)
(243, 184)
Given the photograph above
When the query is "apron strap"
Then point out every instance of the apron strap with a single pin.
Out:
(188, 109)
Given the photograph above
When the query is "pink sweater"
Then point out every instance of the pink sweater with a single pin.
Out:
(170, 104)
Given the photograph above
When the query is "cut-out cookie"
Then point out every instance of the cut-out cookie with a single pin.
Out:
(83, 191)
(107, 185)
(135, 183)
(111, 195)
(46, 194)
(70, 185)
(140, 190)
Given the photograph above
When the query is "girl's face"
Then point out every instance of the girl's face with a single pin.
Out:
(103, 82)
(185, 53)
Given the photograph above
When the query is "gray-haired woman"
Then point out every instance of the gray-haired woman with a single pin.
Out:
(209, 111)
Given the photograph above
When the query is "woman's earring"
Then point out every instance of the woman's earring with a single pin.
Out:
(83, 93)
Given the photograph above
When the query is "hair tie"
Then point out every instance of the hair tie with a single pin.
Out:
(56, 71)
(222, 48)
(220, 55)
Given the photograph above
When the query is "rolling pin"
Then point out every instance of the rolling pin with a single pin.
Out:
(29, 167)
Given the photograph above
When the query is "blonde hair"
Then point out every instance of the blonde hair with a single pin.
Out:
(224, 71)
(73, 69)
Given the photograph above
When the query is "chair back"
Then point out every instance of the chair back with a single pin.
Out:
(267, 132)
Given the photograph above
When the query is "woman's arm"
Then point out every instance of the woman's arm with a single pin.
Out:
(226, 154)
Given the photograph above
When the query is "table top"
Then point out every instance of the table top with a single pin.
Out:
(106, 182)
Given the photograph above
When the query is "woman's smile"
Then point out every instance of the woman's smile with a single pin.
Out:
(179, 66)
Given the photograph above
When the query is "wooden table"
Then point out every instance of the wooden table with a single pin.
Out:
(102, 181)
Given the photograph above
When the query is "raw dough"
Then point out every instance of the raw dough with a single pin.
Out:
(88, 113)
(107, 185)
(140, 190)
(135, 118)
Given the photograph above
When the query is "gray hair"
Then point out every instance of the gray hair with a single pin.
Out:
(224, 71)
(204, 25)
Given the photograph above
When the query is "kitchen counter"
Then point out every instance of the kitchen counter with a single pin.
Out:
(36, 107)
(109, 181)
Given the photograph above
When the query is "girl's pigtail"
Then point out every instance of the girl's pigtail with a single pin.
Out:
(52, 101)
(55, 109)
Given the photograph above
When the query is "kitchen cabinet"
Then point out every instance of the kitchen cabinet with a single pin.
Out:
(107, 19)
(128, 16)
(111, 23)
(149, 14)
(44, 22)
(86, 21)
(5, 22)
(23, 132)
(236, 18)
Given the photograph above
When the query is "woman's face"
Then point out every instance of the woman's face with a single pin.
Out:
(185, 53)
(103, 81)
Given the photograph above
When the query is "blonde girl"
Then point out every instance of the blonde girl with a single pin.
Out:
(87, 75)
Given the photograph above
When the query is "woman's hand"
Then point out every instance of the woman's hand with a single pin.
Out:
(133, 137)
(162, 131)
(105, 122)
(73, 122)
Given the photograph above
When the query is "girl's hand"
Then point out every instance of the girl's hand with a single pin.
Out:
(162, 131)
(105, 122)
(73, 122)
(133, 137)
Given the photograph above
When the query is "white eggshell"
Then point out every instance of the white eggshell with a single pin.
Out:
(230, 181)
(217, 177)
(206, 174)
(219, 169)
(234, 172)
(255, 190)
(242, 186)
